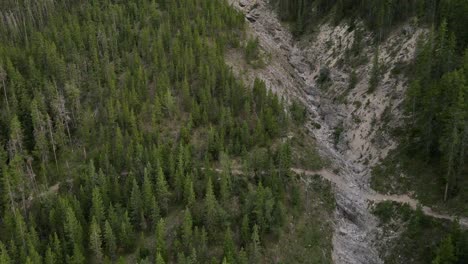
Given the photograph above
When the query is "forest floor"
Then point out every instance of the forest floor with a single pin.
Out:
(291, 73)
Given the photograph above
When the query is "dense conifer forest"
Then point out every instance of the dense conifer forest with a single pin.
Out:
(125, 138)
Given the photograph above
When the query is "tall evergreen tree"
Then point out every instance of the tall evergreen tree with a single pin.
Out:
(162, 190)
(95, 240)
(211, 205)
(110, 241)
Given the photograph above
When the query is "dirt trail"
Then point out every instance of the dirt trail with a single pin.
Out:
(371, 196)
(290, 72)
(338, 183)
(375, 197)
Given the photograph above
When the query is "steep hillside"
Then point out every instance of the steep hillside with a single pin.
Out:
(424, 95)
(233, 131)
(355, 90)
(124, 138)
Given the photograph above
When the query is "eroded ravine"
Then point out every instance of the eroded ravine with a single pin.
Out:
(290, 73)
(287, 73)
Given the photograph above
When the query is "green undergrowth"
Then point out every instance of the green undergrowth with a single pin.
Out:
(308, 237)
(412, 237)
(305, 154)
(401, 174)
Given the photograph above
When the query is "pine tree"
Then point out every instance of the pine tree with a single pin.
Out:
(148, 195)
(180, 173)
(4, 257)
(413, 93)
(169, 104)
(444, 50)
(445, 252)
(211, 205)
(95, 240)
(126, 232)
(189, 193)
(33, 255)
(136, 205)
(284, 159)
(97, 206)
(255, 247)
(162, 190)
(242, 257)
(229, 246)
(224, 188)
(279, 214)
(110, 241)
(245, 230)
(299, 18)
(73, 232)
(225, 182)
(15, 144)
(154, 214)
(187, 229)
(41, 148)
(453, 125)
(49, 257)
(9, 184)
(161, 238)
(77, 257)
(56, 248)
(159, 259)
(186, 99)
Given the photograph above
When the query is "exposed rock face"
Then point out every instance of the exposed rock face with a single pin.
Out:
(351, 129)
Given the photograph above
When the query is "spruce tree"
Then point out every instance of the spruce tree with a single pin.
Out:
(49, 257)
(255, 247)
(136, 205)
(189, 193)
(187, 230)
(95, 240)
(162, 190)
(159, 259)
(4, 257)
(110, 241)
(445, 252)
(161, 238)
(148, 195)
(211, 205)
(97, 206)
(229, 248)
